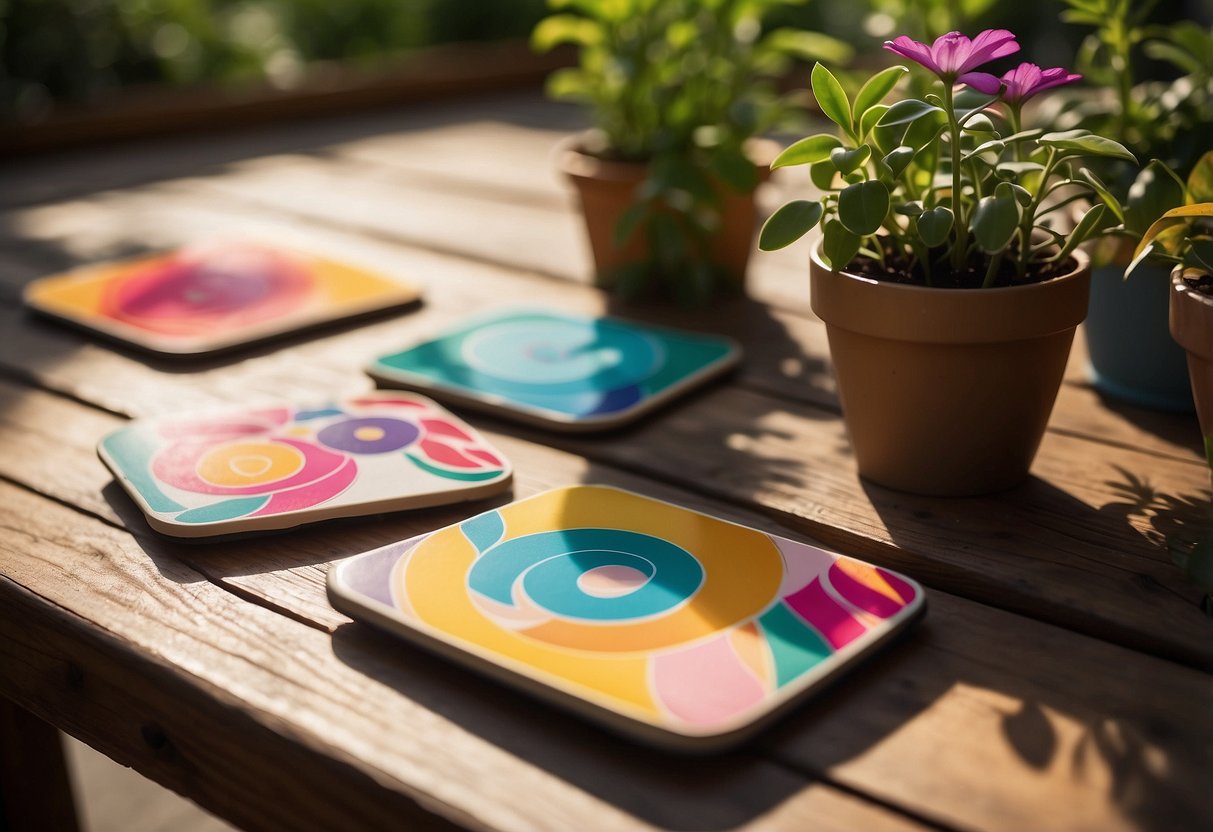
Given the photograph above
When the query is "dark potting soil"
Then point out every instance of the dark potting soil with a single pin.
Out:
(896, 269)
(1202, 284)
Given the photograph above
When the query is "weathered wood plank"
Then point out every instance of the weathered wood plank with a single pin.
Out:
(939, 701)
(142, 657)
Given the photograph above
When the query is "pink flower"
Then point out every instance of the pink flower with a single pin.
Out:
(953, 56)
(1025, 80)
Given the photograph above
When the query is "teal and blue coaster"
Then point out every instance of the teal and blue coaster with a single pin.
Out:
(562, 371)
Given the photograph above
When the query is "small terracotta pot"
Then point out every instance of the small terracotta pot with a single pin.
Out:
(1192, 328)
(607, 188)
(947, 391)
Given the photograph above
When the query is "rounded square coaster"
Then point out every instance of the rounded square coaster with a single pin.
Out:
(257, 469)
(675, 627)
(562, 371)
(207, 298)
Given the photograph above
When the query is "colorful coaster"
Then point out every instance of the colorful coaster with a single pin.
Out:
(673, 626)
(203, 299)
(557, 370)
(274, 468)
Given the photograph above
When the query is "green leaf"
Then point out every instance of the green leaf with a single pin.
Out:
(1086, 175)
(979, 124)
(808, 46)
(1086, 143)
(1086, 226)
(789, 224)
(838, 246)
(935, 225)
(909, 209)
(831, 97)
(849, 161)
(993, 146)
(629, 221)
(875, 89)
(1200, 180)
(863, 207)
(924, 131)
(1200, 256)
(734, 168)
(822, 175)
(1155, 191)
(1175, 216)
(898, 158)
(870, 118)
(995, 221)
(569, 84)
(565, 28)
(909, 110)
(807, 151)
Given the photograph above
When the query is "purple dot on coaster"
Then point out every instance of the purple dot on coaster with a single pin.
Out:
(369, 435)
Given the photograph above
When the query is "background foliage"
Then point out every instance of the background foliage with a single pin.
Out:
(80, 50)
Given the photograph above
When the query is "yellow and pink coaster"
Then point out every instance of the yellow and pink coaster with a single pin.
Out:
(208, 298)
(672, 626)
(257, 469)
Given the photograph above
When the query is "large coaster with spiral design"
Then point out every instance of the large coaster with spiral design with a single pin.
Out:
(210, 297)
(561, 371)
(675, 627)
(259, 469)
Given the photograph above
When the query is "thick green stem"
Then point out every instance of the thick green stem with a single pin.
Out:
(992, 270)
(961, 222)
(1028, 222)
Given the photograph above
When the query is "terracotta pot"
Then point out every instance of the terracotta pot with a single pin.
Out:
(1192, 328)
(606, 189)
(947, 391)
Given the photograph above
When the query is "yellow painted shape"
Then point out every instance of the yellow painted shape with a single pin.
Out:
(743, 570)
(344, 284)
(434, 584)
(81, 293)
(249, 463)
(751, 647)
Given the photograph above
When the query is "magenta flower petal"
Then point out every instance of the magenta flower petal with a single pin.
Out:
(953, 55)
(1026, 80)
(990, 44)
(983, 82)
(915, 51)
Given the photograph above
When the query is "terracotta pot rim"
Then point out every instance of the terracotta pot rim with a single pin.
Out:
(1181, 288)
(571, 159)
(1082, 259)
(928, 314)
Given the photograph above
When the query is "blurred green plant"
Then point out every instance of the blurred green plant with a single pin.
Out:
(78, 50)
(1169, 120)
(679, 85)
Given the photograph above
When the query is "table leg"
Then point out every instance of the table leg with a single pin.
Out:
(35, 793)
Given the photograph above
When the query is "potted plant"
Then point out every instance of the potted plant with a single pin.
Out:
(1131, 354)
(950, 300)
(678, 91)
(1182, 239)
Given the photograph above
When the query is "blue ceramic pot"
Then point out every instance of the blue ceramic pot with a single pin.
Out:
(1131, 355)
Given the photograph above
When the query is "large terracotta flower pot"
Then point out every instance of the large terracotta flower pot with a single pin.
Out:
(606, 189)
(947, 391)
(1192, 328)
(1130, 353)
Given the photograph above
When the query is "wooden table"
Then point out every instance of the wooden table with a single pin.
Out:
(1059, 681)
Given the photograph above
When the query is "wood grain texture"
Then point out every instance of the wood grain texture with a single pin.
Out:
(275, 724)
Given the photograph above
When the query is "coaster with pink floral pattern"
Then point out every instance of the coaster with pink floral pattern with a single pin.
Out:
(266, 468)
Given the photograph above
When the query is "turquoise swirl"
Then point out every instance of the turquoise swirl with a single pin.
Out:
(549, 564)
